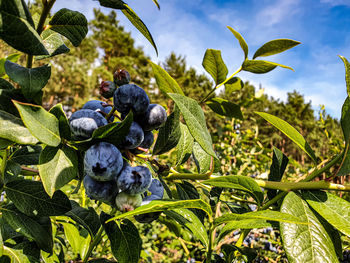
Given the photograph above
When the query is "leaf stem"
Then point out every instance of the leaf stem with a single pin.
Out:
(187, 176)
(218, 86)
(47, 5)
(94, 243)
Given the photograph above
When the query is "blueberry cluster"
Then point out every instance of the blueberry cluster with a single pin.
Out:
(108, 176)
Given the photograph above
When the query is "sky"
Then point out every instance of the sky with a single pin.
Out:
(189, 27)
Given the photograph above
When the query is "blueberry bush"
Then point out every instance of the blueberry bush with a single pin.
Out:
(82, 188)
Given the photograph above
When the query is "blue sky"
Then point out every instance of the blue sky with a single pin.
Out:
(189, 27)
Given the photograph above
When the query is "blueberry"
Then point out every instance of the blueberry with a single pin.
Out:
(99, 106)
(103, 162)
(84, 122)
(134, 137)
(134, 180)
(153, 118)
(157, 190)
(103, 191)
(130, 97)
(127, 202)
(107, 89)
(121, 77)
(147, 142)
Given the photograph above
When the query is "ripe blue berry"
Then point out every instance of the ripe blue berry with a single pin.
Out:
(147, 142)
(121, 77)
(103, 162)
(100, 106)
(107, 89)
(134, 180)
(83, 123)
(127, 202)
(157, 190)
(153, 118)
(102, 191)
(134, 137)
(130, 97)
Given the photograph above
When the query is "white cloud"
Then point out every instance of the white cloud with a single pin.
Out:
(336, 2)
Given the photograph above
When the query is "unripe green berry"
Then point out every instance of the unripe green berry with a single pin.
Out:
(126, 202)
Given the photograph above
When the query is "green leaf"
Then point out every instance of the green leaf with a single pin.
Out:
(79, 240)
(204, 161)
(261, 66)
(31, 80)
(71, 24)
(126, 243)
(12, 129)
(277, 168)
(331, 207)
(238, 182)
(37, 229)
(5, 143)
(344, 169)
(116, 4)
(190, 221)
(31, 199)
(305, 243)
(241, 41)
(163, 205)
(16, 255)
(169, 134)
(242, 224)
(347, 73)
(57, 167)
(233, 84)
(225, 108)
(261, 215)
(63, 123)
(184, 147)
(137, 22)
(274, 47)
(53, 43)
(42, 124)
(195, 121)
(17, 28)
(88, 218)
(7, 94)
(164, 81)
(214, 65)
(290, 132)
(156, 3)
(13, 58)
(27, 155)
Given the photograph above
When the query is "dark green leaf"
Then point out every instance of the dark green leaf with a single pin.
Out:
(164, 81)
(37, 229)
(5, 143)
(17, 28)
(331, 207)
(27, 155)
(347, 73)
(169, 134)
(184, 147)
(4, 84)
(12, 129)
(30, 249)
(13, 58)
(163, 205)
(290, 132)
(57, 167)
(15, 255)
(71, 24)
(116, 4)
(233, 84)
(277, 168)
(12, 171)
(53, 43)
(7, 94)
(137, 22)
(88, 218)
(156, 3)
(274, 47)
(189, 220)
(31, 80)
(204, 161)
(305, 243)
(31, 199)
(225, 108)
(195, 121)
(63, 123)
(241, 41)
(126, 243)
(261, 66)
(42, 124)
(262, 215)
(214, 65)
(344, 169)
(238, 182)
